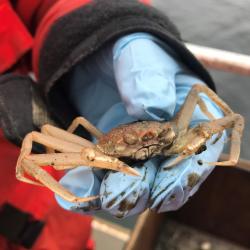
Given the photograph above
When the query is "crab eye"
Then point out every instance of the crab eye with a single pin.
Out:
(148, 136)
(163, 134)
(130, 139)
(166, 136)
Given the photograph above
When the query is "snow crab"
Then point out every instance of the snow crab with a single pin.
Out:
(139, 140)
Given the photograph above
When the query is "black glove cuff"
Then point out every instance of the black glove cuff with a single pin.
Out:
(21, 107)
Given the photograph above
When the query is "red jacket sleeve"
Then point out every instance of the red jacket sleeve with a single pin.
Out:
(15, 39)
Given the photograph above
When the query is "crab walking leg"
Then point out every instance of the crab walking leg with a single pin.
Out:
(48, 181)
(88, 157)
(46, 140)
(184, 116)
(236, 122)
(204, 109)
(46, 132)
(86, 124)
(67, 136)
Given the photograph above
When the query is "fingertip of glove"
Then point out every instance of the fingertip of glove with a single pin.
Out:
(130, 195)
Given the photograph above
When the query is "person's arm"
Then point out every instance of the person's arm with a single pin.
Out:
(15, 38)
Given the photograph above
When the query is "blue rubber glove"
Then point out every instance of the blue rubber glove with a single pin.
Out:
(138, 77)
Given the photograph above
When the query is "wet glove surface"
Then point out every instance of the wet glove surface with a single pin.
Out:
(137, 78)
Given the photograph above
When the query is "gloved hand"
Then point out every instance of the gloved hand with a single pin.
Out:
(145, 82)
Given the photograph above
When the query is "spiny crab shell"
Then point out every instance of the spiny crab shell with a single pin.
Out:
(139, 140)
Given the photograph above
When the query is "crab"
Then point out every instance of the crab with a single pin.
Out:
(139, 141)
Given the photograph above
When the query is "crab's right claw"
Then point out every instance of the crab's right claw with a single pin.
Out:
(95, 158)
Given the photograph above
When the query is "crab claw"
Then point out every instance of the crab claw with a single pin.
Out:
(177, 160)
(97, 159)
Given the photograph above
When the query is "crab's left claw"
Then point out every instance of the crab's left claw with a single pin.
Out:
(177, 160)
